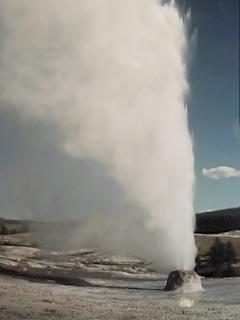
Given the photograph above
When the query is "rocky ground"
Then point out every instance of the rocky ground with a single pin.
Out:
(22, 299)
(85, 284)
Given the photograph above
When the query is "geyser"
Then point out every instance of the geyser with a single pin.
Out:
(110, 76)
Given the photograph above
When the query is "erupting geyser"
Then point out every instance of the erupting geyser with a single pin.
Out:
(110, 75)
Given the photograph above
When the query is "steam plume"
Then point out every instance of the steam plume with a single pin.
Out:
(110, 76)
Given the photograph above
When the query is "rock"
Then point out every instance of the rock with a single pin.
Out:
(184, 280)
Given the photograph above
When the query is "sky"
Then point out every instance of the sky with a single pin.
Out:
(214, 102)
(28, 160)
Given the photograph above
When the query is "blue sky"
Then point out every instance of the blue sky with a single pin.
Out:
(214, 101)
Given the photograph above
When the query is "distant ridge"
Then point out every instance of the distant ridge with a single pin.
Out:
(218, 221)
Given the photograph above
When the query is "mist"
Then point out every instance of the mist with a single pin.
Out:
(95, 96)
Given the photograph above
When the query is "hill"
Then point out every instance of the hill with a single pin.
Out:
(218, 221)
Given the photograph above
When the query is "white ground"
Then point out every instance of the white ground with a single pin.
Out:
(22, 299)
(120, 289)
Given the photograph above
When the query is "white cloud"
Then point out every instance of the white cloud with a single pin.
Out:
(221, 172)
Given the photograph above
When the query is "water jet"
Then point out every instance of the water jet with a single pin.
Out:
(114, 90)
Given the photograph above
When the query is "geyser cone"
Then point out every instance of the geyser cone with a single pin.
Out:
(187, 281)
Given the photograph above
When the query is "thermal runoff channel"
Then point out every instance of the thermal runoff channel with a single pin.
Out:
(110, 76)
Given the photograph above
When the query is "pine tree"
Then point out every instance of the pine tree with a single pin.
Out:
(217, 254)
(3, 229)
(230, 254)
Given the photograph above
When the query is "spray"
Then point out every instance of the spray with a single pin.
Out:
(110, 75)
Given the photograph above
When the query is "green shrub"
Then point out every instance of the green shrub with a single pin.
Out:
(3, 229)
(222, 256)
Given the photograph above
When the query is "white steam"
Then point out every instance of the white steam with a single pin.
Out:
(110, 75)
